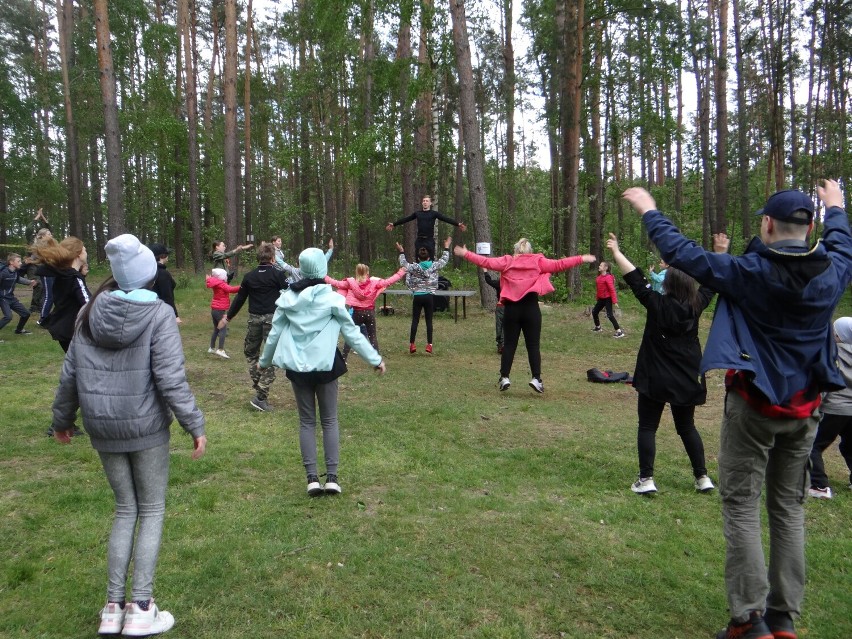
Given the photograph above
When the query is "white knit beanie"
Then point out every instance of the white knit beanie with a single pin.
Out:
(843, 329)
(133, 264)
(220, 274)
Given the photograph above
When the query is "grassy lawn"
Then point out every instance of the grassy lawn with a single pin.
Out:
(465, 513)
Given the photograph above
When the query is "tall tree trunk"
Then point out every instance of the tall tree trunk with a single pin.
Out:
(472, 149)
(4, 205)
(65, 15)
(367, 177)
(95, 192)
(248, 187)
(423, 177)
(721, 90)
(112, 137)
(403, 61)
(593, 149)
(208, 121)
(742, 128)
(509, 90)
(188, 40)
(231, 161)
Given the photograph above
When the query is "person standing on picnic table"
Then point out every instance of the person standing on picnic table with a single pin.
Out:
(426, 220)
(667, 364)
(308, 319)
(125, 372)
(422, 280)
(772, 332)
(524, 276)
(835, 416)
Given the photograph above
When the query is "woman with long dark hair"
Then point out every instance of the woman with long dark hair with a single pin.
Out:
(668, 364)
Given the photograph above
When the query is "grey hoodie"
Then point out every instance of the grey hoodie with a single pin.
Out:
(129, 379)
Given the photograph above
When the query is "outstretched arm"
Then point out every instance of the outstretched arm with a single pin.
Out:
(624, 265)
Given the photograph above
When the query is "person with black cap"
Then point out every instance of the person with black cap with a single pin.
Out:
(772, 332)
(164, 285)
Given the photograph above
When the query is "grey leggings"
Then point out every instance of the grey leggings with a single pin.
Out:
(139, 481)
(308, 397)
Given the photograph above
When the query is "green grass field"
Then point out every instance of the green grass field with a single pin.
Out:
(465, 513)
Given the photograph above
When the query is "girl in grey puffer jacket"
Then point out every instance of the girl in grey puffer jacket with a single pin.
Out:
(125, 372)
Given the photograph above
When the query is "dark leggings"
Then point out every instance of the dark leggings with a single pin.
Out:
(218, 333)
(523, 316)
(366, 319)
(605, 303)
(830, 427)
(650, 412)
(427, 303)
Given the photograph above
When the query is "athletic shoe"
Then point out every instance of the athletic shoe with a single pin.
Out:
(780, 623)
(597, 329)
(499, 349)
(112, 619)
(260, 404)
(504, 383)
(23, 331)
(221, 353)
(820, 493)
(536, 385)
(703, 484)
(141, 623)
(428, 349)
(211, 351)
(754, 628)
(412, 348)
(314, 486)
(644, 486)
(331, 485)
(619, 334)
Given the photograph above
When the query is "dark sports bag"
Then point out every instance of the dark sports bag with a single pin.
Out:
(607, 377)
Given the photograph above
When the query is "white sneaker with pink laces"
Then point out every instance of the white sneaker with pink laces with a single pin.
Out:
(141, 623)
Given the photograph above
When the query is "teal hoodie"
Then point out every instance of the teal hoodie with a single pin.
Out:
(305, 329)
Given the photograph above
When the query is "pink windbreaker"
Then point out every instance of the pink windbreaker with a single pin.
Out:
(524, 273)
(605, 286)
(221, 291)
(362, 295)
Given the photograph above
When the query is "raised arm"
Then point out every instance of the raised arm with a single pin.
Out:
(624, 265)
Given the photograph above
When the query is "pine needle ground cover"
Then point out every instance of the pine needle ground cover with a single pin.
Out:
(466, 512)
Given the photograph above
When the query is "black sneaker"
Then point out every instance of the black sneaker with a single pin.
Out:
(754, 628)
(314, 486)
(780, 623)
(597, 329)
(331, 485)
(260, 404)
(23, 331)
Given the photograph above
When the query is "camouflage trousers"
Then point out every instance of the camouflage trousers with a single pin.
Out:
(258, 329)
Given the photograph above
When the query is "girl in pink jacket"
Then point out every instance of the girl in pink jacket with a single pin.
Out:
(222, 292)
(523, 277)
(606, 299)
(361, 292)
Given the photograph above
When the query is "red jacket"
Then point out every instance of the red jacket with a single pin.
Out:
(221, 292)
(606, 287)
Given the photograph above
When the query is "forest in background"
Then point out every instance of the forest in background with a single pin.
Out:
(187, 121)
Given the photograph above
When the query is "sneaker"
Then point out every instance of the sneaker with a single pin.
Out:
(141, 623)
(49, 432)
(619, 334)
(537, 385)
(820, 493)
(703, 484)
(780, 623)
(499, 349)
(221, 353)
(112, 619)
(644, 486)
(754, 628)
(597, 329)
(211, 351)
(428, 349)
(412, 348)
(331, 485)
(260, 404)
(504, 383)
(23, 331)
(314, 486)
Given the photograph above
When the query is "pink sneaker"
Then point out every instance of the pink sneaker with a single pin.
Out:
(112, 619)
(141, 623)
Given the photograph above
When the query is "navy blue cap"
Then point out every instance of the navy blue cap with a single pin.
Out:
(784, 204)
(159, 249)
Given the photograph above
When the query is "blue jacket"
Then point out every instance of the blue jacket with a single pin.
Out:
(773, 318)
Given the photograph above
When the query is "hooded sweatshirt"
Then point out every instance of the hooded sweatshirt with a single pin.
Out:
(67, 294)
(524, 273)
(128, 378)
(305, 328)
(362, 295)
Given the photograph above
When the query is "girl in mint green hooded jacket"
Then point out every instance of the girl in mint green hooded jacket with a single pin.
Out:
(303, 341)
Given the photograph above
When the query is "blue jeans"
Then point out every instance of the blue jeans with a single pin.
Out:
(753, 449)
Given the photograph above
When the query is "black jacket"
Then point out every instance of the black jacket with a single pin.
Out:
(669, 359)
(164, 286)
(261, 287)
(69, 294)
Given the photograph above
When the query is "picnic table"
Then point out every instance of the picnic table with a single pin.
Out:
(454, 294)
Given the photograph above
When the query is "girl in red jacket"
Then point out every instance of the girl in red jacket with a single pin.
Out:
(606, 297)
(222, 292)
